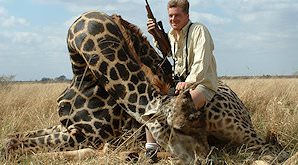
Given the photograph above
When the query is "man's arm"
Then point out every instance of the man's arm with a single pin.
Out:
(157, 31)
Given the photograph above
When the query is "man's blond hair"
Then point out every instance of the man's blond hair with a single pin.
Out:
(183, 4)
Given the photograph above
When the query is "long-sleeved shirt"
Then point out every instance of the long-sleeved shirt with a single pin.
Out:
(200, 61)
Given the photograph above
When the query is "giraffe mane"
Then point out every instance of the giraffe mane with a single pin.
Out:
(157, 83)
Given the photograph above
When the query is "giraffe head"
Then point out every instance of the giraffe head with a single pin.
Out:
(184, 116)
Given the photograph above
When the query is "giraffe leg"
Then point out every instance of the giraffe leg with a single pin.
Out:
(38, 133)
(61, 141)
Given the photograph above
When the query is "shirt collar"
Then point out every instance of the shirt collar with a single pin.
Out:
(183, 31)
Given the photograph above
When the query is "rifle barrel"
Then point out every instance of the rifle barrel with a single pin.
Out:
(147, 3)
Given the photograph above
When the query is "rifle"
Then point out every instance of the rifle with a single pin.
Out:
(159, 34)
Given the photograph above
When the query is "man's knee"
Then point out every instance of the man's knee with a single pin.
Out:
(198, 98)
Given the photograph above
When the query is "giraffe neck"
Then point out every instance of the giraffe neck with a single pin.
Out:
(133, 96)
(147, 87)
(144, 51)
(113, 60)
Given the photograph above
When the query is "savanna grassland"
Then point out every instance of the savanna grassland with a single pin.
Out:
(273, 104)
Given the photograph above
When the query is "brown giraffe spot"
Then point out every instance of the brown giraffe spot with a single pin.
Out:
(79, 26)
(95, 28)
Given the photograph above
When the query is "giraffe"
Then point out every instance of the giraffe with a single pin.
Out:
(111, 85)
(89, 116)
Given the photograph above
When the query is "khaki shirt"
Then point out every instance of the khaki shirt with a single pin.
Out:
(201, 61)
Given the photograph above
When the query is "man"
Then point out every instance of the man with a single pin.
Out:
(192, 49)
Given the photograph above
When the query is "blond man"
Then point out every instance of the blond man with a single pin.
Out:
(192, 49)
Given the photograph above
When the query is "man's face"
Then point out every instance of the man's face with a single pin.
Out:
(177, 18)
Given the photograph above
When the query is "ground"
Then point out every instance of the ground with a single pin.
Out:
(273, 104)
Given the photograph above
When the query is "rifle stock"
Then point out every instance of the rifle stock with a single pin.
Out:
(159, 34)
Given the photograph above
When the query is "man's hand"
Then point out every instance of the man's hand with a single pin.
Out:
(151, 26)
(181, 86)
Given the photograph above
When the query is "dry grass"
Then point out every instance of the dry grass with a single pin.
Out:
(273, 104)
(27, 106)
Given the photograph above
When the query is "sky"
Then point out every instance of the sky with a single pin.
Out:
(251, 37)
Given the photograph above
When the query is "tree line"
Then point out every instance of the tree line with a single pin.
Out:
(11, 78)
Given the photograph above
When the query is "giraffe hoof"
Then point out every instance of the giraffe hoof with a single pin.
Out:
(9, 147)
